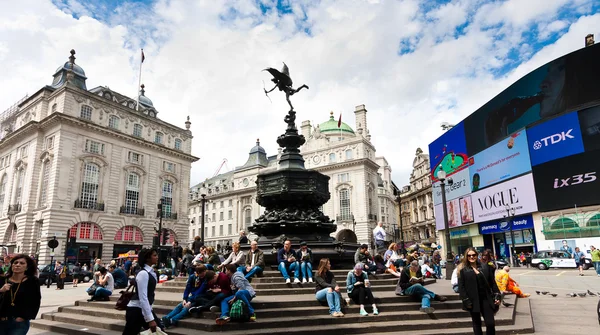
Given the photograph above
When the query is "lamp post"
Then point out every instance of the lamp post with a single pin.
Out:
(449, 259)
(402, 251)
(510, 214)
(203, 204)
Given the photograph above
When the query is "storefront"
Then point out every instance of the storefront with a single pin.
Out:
(465, 236)
(496, 235)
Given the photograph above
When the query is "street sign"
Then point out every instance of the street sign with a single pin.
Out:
(52, 244)
(52, 253)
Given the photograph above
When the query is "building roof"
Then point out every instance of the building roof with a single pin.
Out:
(331, 126)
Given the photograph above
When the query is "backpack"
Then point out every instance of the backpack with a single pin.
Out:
(239, 311)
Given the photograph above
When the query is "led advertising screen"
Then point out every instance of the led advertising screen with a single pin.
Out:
(568, 182)
(556, 138)
(554, 88)
(448, 152)
(589, 121)
(460, 212)
(518, 193)
(461, 185)
(503, 225)
(504, 160)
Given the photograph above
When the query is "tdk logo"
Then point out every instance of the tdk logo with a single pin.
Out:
(553, 139)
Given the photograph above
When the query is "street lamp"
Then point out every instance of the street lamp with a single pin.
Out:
(510, 214)
(203, 204)
(402, 251)
(449, 259)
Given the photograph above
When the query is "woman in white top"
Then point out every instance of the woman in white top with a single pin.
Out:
(107, 286)
(236, 257)
(139, 312)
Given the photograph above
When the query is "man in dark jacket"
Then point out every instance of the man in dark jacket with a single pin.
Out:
(120, 277)
(362, 256)
(255, 261)
(243, 238)
(286, 257)
(176, 254)
(196, 245)
(411, 283)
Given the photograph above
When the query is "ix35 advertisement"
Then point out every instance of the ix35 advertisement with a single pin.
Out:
(568, 182)
(557, 138)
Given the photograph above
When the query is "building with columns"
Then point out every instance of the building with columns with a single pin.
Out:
(416, 203)
(362, 192)
(89, 167)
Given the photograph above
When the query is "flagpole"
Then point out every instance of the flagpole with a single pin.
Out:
(137, 105)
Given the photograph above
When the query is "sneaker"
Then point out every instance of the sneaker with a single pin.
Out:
(310, 280)
(296, 281)
(363, 312)
(287, 281)
(375, 311)
(440, 298)
(340, 314)
(335, 314)
(253, 317)
(215, 309)
(195, 309)
(303, 280)
(222, 320)
(428, 310)
(347, 301)
(166, 321)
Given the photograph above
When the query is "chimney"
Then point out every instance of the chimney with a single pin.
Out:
(589, 40)
(360, 114)
(305, 129)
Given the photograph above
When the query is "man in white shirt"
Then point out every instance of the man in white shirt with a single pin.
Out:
(454, 280)
(107, 286)
(426, 270)
(379, 237)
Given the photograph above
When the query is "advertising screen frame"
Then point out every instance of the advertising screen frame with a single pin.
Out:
(554, 139)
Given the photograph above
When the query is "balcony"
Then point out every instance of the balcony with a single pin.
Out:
(345, 218)
(167, 216)
(132, 211)
(372, 217)
(91, 205)
(14, 209)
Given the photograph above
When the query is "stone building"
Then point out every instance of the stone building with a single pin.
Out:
(89, 168)
(362, 192)
(416, 203)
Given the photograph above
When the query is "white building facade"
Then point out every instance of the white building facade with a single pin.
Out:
(89, 168)
(362, 192)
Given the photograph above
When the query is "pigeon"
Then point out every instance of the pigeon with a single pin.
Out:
(538, 292)
(582, 294)
(553, 294)
(591, 294)
(545, 292)
(571, 294)
(506, 304)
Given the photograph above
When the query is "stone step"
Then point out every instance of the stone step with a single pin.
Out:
(285, 289)
(278, 279)
(280, 283)
(270, 273)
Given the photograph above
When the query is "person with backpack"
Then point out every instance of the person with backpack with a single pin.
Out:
(139, 312)
(239, 301)
(195, 287)
(579, 260)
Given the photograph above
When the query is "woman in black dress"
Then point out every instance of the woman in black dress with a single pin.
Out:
(478, 290)
(21, 296)
(139, 313)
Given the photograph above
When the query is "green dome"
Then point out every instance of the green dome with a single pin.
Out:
(331, 126)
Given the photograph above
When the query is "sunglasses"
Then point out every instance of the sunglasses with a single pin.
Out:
(472, 255)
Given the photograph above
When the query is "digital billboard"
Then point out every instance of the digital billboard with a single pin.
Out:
(448, 152)
(461, 185)
(589, 121)
(460, 212)
(556, 138)
(568, 182)
(504, 160)
(552, 89)
(490, 203)
(503, 225)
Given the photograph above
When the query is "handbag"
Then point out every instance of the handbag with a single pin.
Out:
(63, 274)
(92, 289)
(125, 297)
(149, 332)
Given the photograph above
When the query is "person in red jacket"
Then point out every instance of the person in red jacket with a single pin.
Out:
(218, 288)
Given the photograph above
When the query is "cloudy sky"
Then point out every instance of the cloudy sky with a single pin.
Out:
(414, 64)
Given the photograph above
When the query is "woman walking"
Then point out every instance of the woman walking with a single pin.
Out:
(479, 293)
(327, 288)
(21, 296)
(61, 274)
(139, 310)
(358, 287)
(76, 274)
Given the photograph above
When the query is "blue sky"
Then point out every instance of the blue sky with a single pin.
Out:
(414, 63)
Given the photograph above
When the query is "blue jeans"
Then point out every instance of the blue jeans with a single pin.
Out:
(101, 292)
(12, 327)
(306, 268)
(437, 269)
(178, 313)
(293, 267)
(240, 294)
(597, 267)
(333, 299)
(420, 291)
(174, 266)
(252, 272)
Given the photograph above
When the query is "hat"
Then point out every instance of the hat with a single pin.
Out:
(364, 246)
(302, 244)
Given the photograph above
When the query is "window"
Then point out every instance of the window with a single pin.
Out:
(193, 233)
(345, 204)
(230, 202)
(343, 177)
(167, 196)
(214, 205)
(86, 112)
(23, 151)
(348, 154)
(221, 230)
(221, 216)
(45, 177)
(214, 217)
(49, 142)
(19, 193)
(212, 231)
(222, 204)
(169, 167)
(230, 215)
(137, 130)
(132, 193)
(113, 122)
(177, 144)
(89, 186)
(248, 216)
(205, 231)
(2, 192)
(331, 158)
(94, 147)
(229, 229)
(129, 234)
(158, 138)
(134, 157)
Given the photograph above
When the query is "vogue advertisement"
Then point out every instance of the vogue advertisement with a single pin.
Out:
(448, 152)
(490, 203)
(556, 138)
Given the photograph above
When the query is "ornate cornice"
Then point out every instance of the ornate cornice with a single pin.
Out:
(354, 162)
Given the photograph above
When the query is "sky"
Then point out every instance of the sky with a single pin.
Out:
(413, 63)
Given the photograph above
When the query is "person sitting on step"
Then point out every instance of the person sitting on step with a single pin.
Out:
(196, 286)
(327, 288)
(218, 288)
(106, 286)
(243, 291)
(362, 256)
(286, 258)
(255, 261)
(411, 282)
(236, 257)
(359, 289)
(120, 277)
(304, 257)
(427, 271)
(508, 285)
(212, 258)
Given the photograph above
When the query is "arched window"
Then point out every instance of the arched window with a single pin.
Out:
(113, 122)
(44, 184)
(177, 144)
(158, 138)
(137, 130)
(19, 192)
(171, 237)
(129, 234)
(86, 231)
(2, 192)
(132, 193)
(248, 216)
(563, 223)
(90, 186)
(594, 221)
(345, 204)
(86, 112)
(332, 157)
(167, 196)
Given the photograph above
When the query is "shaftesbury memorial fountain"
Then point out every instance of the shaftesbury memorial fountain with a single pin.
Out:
(292, 196)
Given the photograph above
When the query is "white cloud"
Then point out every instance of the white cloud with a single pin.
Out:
(204, 59)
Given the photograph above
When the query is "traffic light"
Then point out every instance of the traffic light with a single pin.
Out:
(166, 236)
(72, 241)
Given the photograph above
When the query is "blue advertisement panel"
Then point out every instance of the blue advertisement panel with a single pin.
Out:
(502, 226)
(448, 152)
(557, 138)
(552, 89)
(507, 159)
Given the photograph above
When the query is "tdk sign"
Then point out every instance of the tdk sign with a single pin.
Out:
(556, 138)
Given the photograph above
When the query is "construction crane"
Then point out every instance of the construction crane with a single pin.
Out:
(224, 162)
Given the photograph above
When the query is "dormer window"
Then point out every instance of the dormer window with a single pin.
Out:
(177, 144)
(107, 95)
(158, 138)
(86, 112)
